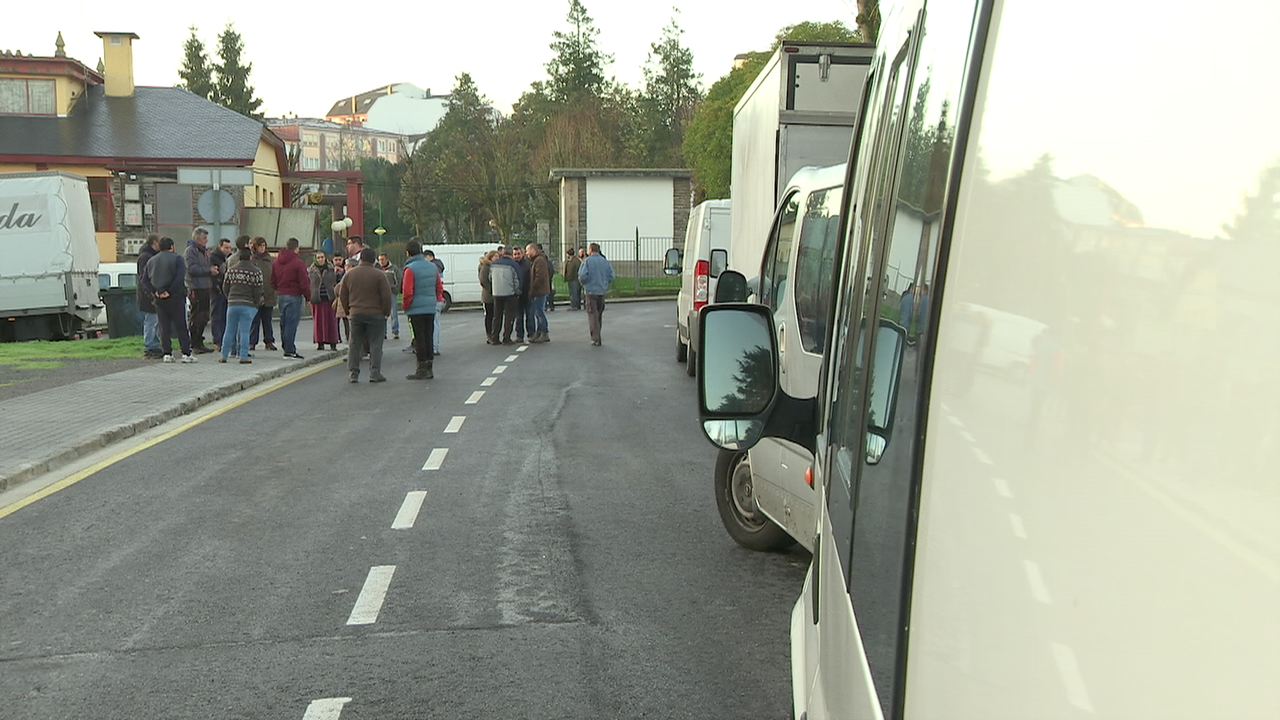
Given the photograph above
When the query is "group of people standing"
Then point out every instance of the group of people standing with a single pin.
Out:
(201, 279)
(515, 289)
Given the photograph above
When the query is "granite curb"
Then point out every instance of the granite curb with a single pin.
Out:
(99, 439)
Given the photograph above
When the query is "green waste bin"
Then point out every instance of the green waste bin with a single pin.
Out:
(123, 318)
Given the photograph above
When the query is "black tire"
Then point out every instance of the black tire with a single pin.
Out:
(448, 302)
(745, 523)
(691, 368)
(682, 350)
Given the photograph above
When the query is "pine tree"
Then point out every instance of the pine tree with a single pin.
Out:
(578, 66)
(233, 89)
(195, 72)
(670, 94)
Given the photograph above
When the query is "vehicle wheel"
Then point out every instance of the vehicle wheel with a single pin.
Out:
(735, 500)
(691, 369)
(448, 302)
(682, 350)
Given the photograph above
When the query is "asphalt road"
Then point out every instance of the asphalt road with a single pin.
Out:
(560, 555)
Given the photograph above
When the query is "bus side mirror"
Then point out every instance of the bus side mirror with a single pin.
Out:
(671, 264)
(738, 397)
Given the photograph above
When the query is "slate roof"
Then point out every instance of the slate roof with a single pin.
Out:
(156, 123)
(363, 102)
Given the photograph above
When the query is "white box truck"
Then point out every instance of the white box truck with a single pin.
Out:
(49, 276)
(799, 112)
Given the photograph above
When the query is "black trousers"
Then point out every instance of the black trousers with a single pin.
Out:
(424, 326)
(169, 316)
(199, 315)
(504, 317)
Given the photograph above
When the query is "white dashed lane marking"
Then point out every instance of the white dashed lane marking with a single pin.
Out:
(435, 459)
(512, 358)
(455, 424)
(500, 369)
(325, 709)
(369, 604)
(475, 397)
(1069, 669)
(487, 382)
(1018, 529)
(522, 348)
(1038, 589)
(409, 510)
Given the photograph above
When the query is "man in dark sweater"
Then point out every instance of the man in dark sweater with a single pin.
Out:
(164, 278)
(366, 294)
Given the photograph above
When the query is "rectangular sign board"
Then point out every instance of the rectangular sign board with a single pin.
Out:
(209, 176)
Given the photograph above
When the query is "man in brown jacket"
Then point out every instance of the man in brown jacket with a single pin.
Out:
(539, 291)
(366, 294)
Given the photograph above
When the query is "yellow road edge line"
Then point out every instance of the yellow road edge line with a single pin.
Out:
(103, 464)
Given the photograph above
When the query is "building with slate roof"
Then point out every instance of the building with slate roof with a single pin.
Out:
(129, 141)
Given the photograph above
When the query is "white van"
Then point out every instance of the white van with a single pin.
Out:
(705, 256)
(117, 275)
(461, 270)
(763, 496)
(1045, 436)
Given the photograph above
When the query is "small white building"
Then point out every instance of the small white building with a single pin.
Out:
(635, 214)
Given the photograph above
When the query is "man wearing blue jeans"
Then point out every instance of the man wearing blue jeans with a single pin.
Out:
(539, 292)
(293, 285)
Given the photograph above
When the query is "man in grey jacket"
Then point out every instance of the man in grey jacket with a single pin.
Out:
(504, 277)
(199, 282)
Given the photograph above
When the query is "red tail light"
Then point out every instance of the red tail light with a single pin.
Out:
(700, 284)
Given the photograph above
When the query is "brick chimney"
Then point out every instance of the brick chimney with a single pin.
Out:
(117, 57)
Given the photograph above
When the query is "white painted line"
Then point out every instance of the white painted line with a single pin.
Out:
(522, 348)
(1018, 529)
(489, 381)
(475, 397)
(512, 358)
(965, 434)
(1038, 588)
(455, 424)
(500, 369)
(982, 457)
(435, 459)
(408, 514)
(1069, 669)
(1002, 488)
(369, 604)
(325, 709)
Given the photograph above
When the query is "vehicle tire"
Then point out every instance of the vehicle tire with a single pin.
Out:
(682, 350)
(746, 524)
(448, 302)
(691, 369)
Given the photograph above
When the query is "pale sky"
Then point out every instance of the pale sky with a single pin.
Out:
(307, 56)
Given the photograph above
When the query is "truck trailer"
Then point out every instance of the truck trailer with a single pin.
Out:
(49, 277)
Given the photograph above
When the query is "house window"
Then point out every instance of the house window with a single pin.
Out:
(19, 96)
(103, 207)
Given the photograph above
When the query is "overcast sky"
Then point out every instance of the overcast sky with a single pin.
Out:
(306, 56)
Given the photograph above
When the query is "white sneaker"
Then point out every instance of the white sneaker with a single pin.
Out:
(188, 358)
(168, 358)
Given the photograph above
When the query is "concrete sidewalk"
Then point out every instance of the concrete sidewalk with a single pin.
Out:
(43, 431)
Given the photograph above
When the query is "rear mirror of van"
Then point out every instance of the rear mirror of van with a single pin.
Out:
(671, 265)
(719, 261)
(732, 287)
